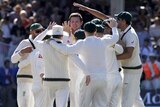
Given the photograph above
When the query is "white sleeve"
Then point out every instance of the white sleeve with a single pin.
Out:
(110, 40)
(16, 54)
(41, 35)
(40, 64)
(130, 41)
(24, 62)
(76, 60)
(67, 49)
(118, 48)
(38, 44)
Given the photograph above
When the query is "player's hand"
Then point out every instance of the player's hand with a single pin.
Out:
(80, 6)
(121, 43)
(111, 22)
(66, 26)
(26, 50)
(88, 80)
(51, 24)
(41, 75)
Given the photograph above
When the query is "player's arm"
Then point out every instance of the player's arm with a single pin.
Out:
(130, 43)
(24, 62)
(94, 12)
(43, 34)
(118, 49)
(20, 51)
(76, 60)
(110, 40)
(128, 51)
(67, 49)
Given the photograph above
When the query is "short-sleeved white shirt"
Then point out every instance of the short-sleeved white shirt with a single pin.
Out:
(131, 40)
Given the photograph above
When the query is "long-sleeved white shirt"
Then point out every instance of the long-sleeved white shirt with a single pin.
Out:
(37, 67)
(16, 57)
(56, 63)
(91, 51)
(111, 60)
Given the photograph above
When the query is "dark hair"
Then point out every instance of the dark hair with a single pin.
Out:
(105, 24)
(96, 21)
(124, 15)
(100, 28)
(128, 22)
(79, 34)
(76, 15)
(90, 27)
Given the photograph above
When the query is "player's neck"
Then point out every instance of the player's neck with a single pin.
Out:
(124, 27)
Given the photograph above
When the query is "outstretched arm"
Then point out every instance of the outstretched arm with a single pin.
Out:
(76, 60)
(67, 49)
(43, 34)
(110, 40)
(94, 12)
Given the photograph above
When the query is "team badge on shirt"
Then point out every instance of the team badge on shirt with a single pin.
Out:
(40, 56)
(132, 42)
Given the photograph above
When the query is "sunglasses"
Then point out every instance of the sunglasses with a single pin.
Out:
(39, 30)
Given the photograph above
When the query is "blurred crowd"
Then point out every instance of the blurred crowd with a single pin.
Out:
(16, 16)
(147, 24)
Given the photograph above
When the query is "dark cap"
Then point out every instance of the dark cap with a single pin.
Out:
(106, 22)
(96, 21)
(36, 26)
(90, 27)
(124, 15)
(100, 28)
(79, 34)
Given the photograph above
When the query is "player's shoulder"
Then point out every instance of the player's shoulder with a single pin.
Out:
(80, 41)
(106, 36)
(25, 41)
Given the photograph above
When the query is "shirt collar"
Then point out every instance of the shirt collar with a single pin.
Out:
(30, 37)
(88, 37)
(58, 40)
(127, 28)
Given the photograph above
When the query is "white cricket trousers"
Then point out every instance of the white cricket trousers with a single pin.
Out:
(131, 88)
(114, 89)
(95, 93)
(39, 93)
(58, 91)
(24, 94)
(72, 87)
(76, 78)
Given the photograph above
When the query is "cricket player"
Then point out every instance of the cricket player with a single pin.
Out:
(56, 79)
(131, 62)
(24, 75)
(114, 80)
(75, 72)
(92, 53)
(75, 22)
(37, 68)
